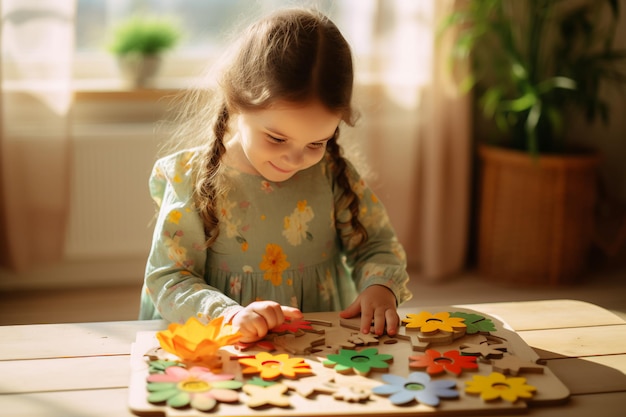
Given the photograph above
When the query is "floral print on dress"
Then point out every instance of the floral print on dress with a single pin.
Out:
(267, 186)
(327, 286)
(235, 285)
(225, 210)
(274, 263)
(176, 252)
(296, 226)
(174, 216)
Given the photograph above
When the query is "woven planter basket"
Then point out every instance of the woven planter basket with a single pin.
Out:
(536, 216)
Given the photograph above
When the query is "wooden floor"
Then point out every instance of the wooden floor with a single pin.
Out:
(606, 288)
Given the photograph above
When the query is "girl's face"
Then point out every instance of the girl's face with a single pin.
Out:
(279, 141)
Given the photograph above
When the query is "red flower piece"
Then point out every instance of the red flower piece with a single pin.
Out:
(435, 362)
(292, 326)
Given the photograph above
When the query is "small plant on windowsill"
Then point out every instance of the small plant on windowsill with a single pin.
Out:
(139, 44)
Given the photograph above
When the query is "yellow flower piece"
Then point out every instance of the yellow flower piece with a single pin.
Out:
(274, 263)
(496, 385)
(198, 343)
(431, 323)
(272, 367)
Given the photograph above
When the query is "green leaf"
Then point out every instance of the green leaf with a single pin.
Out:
(556, 82)
(491, 100)
(525, 102)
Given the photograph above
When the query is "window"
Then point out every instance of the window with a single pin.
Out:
(206, 23)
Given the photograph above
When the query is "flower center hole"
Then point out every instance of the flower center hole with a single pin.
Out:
(443, 359)
(500, 386)
(360, 359)
(414, 386)
(194, 386)
(271, 364)
(434, 319)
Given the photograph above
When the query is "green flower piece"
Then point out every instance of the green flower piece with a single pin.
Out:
(360, 362)
(159, 366)
(257, 380)
(475, 322)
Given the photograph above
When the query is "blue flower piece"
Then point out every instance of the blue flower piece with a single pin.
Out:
(418, 386)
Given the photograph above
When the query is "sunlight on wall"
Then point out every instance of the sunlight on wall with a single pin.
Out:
(37, 52)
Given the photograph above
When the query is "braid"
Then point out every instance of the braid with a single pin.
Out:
(349, 198)
(207, 184)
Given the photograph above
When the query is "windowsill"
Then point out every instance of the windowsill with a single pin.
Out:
(114, 89)
(111, 89)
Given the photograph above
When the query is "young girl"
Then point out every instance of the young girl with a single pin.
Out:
(267, 219)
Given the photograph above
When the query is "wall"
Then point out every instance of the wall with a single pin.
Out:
(114, 145)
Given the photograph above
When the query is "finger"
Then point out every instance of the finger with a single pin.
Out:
(248, 334)
(257, 326)
(366, 321)
(379, 321)
(291, 312)
(393, 321)
(273, 317)
(270, 312)
(352, 310)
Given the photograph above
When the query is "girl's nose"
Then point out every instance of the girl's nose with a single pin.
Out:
(294, 157)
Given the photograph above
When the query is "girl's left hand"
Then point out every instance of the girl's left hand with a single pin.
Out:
(376, 302)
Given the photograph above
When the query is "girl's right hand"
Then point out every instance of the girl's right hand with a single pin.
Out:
(258, 318)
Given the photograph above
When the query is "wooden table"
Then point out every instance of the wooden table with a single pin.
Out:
(82, 369)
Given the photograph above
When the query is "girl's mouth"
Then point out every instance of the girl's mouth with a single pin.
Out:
(280, 169)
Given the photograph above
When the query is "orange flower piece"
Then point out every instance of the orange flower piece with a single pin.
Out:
(198, 343)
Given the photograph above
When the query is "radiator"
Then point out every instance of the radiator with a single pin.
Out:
(110, 209)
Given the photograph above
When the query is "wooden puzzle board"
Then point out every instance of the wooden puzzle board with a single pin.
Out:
(549, 389)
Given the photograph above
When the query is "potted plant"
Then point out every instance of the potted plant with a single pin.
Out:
(139, 43)
(534, 64)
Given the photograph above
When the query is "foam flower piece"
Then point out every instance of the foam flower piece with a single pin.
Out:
(429, 323)
(265, 396)
(197, 387)
(475, 323)
(361, 362)
(198, 343)
(292, 326)
(417, 386)
(271, 367)
(496, 385)
(435, 362)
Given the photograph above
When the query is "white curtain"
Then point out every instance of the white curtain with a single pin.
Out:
(415, 131)
(36, 53)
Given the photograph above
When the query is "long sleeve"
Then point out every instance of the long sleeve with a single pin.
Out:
(174, 279)
(381, 260)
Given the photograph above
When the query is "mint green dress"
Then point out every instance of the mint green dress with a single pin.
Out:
(277, 241)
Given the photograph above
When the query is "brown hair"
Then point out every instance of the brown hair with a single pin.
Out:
(292, 55)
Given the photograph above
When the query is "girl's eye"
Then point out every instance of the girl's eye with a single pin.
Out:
(275, 139)
(317, 145)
